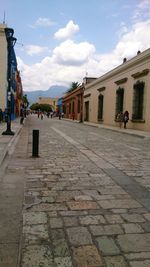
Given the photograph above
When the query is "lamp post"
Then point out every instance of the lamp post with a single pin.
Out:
(10, 44)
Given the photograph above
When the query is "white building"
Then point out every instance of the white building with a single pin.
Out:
(126, 87)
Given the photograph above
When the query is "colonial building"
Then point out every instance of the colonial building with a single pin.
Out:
(49, 100)
(126, 87)
(73, 104)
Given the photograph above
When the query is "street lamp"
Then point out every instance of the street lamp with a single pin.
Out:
(10, 44)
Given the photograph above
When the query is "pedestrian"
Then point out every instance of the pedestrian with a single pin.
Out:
(41, 116)
(59, 115)
(120, 118)
(51, 114)
(21, 115)
(125, 118)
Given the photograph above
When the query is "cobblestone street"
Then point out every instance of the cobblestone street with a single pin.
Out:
(86, 200)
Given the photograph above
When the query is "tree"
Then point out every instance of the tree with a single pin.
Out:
(73, 87)
(41, 107)
(25, 100)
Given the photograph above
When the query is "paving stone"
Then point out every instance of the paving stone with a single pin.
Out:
(52, 214)
(63, 262)
(143, 263)
(73, 213)
(70, 221)
(30, 218)
(147, 216)
(82, 197)
(48, 207)
(116, 261)
(37, 256)
(82, 205)
(113, 190)
(92, 219)
(35, 233)
(119, 211)
(87, 256)
(106, 229)
(60, 246)
(113, 219)
(146, 226)
(56, 223)
(79, 236)
(107, 245)
(119, 203)
(133, 218)
(134, 242)
(132, 228)
(139, 255)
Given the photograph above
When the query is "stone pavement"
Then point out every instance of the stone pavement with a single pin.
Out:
(86, 198)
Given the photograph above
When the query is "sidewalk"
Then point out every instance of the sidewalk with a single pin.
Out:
(142, 134)
(8, 142)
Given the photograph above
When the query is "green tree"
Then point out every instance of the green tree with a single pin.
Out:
(25, 100)
(73, 87)
(41, 107)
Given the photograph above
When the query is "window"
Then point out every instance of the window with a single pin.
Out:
(138, 100)
(119, 100)
(100, 107)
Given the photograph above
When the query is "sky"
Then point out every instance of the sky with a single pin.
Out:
(62, 41)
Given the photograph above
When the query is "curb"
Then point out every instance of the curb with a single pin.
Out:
(9, 149)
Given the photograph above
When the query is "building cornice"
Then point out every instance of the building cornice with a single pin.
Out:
(121, 68)
(101, 89)
(140, 74)
(88, 95)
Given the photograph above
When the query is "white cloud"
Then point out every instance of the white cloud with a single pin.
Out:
(70, 61)
(70, 53)
(43, 22)
(35, 49)
(67, 32)
(142, 10)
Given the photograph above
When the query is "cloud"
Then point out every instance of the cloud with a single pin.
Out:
(70, 53)
(43, 22)
(35, 49)
(142, 10)
(71, 60)
(67, 32)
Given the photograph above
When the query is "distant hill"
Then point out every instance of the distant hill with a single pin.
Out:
(53, 91)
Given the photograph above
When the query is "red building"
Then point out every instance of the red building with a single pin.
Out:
(73, 104)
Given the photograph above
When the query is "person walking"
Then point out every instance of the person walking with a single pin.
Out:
(120, 119)
(125, 118)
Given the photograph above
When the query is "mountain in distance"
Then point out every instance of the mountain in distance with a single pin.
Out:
(53, 91)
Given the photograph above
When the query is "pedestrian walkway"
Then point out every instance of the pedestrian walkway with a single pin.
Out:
(133, 132)
(85, 203)
(8, 142)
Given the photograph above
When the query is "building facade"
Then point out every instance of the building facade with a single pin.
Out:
(73, 104)
(126, 87)
(50, 101)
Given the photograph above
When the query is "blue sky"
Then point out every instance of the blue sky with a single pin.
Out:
(61, 41)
